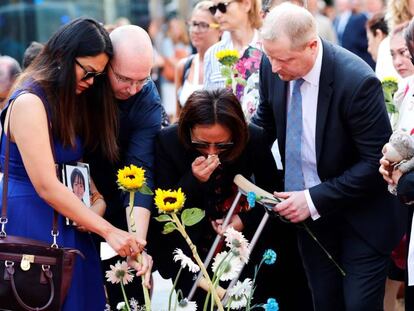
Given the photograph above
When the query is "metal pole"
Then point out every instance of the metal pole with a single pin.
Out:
(215, 244)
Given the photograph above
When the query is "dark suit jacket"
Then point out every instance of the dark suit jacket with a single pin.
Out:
(354, 37)
(352, 125)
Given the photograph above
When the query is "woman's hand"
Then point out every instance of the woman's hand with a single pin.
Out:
(203, 167)
(145, 267)
(386, 171)
(124, 243)
(235, 222)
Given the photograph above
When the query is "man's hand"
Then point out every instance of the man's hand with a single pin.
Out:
(203, 167)
(234, 222)
(294, 207)
(142, 268)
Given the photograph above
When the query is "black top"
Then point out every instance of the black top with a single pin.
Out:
(140, 122)
(173, 170)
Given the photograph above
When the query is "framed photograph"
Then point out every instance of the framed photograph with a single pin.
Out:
(77, 178)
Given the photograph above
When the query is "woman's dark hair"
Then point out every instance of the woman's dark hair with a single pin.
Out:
(209, 107)
(377, 22)
(409, 38)
(77, 175)
(91, 115)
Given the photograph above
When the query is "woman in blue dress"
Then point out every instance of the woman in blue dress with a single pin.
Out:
(66, 82)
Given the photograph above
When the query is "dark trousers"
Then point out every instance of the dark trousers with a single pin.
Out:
(409, 290)
(362, 289)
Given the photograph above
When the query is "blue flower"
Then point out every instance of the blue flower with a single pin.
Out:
(269, 257)
(271, 305)
(251, 199)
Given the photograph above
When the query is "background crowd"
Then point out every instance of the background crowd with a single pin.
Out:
(308, 123)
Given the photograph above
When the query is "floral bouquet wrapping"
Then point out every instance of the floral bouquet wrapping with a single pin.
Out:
(389, 87)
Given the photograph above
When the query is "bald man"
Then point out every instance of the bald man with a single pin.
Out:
(9, 69)
(139, 121)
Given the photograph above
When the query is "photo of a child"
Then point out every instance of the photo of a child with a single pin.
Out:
(77, 180)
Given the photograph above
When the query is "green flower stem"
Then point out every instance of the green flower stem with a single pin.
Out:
(139, 258)
(250, 297)
(193, 248)
(125, 296)
(131, 211)
(324, 249)
(147, 298)
(276, 200)
(172, 289)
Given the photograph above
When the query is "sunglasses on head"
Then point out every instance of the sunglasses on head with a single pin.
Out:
(205, 145)
(88, 74)
(221, 6)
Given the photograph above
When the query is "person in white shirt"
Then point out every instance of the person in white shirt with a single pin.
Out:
(326, 108)
(204, 32)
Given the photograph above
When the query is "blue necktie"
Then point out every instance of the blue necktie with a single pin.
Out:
(293, 159)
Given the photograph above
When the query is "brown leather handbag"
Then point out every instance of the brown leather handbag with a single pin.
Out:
(33, 275)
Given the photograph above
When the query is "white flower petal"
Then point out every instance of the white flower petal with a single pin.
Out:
(241, 288)
(237, 304)
(227, 266)
(185, 261)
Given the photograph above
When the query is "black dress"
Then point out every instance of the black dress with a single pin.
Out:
(173, 170)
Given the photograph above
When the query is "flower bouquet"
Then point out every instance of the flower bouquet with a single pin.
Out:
(389, 87)
(226, 266)
(232, 77)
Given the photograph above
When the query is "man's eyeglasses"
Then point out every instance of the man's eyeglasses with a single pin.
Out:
(88, 74)
(221, 6)
(201, 26)
(125, 80)
(205, 145)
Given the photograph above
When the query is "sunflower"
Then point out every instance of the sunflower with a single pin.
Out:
(169, 201)
(228, 57)
(131, 178)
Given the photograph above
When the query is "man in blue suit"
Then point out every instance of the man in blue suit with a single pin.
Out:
(325, 107)
(353, 35)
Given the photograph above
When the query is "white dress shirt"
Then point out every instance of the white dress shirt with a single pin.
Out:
(309, 91)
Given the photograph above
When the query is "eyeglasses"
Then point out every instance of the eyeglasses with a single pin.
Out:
(122, 79)
(201, 26)
(205, 145)
(221, 6)
(88, 74)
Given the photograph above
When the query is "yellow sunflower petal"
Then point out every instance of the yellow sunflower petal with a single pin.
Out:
(131, 178)
(169, 201)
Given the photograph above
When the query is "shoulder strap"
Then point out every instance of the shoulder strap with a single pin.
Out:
(186, 69)
(3, 219)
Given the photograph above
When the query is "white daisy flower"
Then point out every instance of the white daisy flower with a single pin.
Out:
(241, 289)
(228, 265)
(119, 273)
(237, 243)
(120, 305)
(185, 305)
(238, 303)
(185, 261)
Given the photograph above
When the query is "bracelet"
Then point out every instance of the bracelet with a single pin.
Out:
(96, 196)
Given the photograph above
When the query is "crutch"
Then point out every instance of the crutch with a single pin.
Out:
(268, 201)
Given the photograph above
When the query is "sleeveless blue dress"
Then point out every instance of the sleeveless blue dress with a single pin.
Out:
(30, 216)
